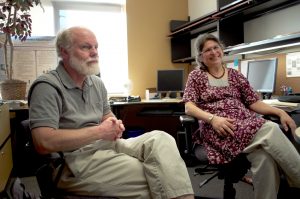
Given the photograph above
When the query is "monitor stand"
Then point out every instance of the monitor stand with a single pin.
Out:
(178, 95)
(168, 95)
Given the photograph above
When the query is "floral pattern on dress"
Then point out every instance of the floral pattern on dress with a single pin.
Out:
(230, 101)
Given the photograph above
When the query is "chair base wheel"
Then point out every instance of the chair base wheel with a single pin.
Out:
(229, 193)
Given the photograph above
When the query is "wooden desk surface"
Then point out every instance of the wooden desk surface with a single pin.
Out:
(152, 101)
(16, 104)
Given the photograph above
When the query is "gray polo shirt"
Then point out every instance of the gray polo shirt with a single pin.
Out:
(55, 101)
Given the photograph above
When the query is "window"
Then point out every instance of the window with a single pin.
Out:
(108, 22)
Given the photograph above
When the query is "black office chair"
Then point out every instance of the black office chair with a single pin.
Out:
(231, 172)
(45, 167)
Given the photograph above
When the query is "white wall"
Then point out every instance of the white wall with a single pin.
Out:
(198, 8)
(268, 26)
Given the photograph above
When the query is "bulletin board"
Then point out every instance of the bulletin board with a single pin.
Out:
(282, 78)
(34, 57)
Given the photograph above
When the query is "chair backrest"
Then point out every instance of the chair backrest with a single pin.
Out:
(43, 168)
(36, 159)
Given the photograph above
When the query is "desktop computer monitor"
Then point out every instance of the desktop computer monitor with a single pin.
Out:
(169, 81)
(262, 76)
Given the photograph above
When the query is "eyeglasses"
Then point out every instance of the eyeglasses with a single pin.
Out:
(210, 50)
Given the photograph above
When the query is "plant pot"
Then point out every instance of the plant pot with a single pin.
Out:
(13, 89)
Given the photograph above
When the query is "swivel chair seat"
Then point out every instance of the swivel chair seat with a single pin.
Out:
(231, 172)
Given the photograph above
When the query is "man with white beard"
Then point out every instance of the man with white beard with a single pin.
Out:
(69, 112)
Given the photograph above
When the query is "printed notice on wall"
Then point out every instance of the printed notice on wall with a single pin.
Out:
(293, 64)
(46, 60)
(34, 57)
(231, 65)
(2, 58)
(2, 64)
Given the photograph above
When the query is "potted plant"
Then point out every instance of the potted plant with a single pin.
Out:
(15, 22)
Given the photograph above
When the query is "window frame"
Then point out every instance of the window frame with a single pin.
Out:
(97, 6)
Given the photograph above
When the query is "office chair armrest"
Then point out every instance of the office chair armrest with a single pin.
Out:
(272, 118)
(186, 119)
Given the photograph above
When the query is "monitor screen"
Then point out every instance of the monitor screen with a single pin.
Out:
(262, 75)
(170, 80)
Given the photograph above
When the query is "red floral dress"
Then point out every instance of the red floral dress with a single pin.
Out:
(230, 101)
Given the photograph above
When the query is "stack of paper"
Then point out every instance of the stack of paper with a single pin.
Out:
(287, 106)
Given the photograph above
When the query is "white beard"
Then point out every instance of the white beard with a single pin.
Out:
(83, 67)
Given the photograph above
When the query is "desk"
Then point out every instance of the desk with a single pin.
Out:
(286, 106)
(24, 164)
(293, 109)
(150, 115)
(6, 163)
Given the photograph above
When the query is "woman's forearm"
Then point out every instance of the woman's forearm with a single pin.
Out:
(192, 110)
(265, 109)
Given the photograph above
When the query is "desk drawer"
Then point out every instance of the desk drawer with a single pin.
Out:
(4, 123)
(6, 164)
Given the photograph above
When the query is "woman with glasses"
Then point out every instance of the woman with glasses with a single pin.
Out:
(226, 106)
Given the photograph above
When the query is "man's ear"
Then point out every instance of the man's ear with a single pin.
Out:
(64, 53)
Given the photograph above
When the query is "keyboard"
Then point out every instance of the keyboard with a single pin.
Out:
(163, 100)
(157, 112)
(171, 100)
(289, 98)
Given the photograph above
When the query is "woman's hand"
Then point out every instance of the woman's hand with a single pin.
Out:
(223, 126)
(265, 109)
(287, 122)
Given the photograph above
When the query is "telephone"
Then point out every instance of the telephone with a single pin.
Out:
(132, 98)
(117, 99)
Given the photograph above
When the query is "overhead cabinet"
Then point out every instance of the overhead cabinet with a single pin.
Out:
(227, 21)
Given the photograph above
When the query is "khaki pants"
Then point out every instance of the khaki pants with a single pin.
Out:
(269, 151)
(148, 166)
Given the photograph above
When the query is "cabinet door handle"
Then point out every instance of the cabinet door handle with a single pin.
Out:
(2, 153)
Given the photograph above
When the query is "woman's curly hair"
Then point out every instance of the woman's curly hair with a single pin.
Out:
(199, 44)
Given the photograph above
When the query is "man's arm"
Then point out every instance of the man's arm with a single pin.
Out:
(48, 140)
(110, 114)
